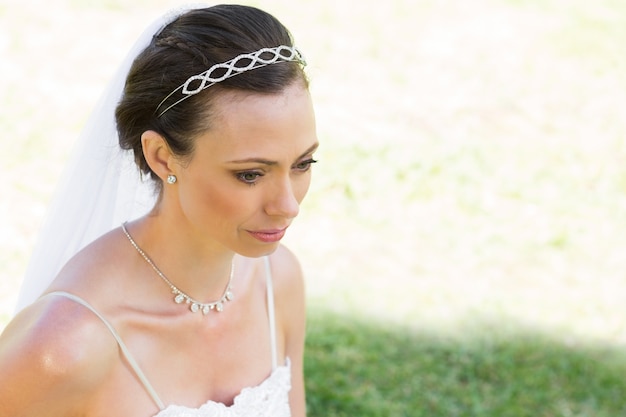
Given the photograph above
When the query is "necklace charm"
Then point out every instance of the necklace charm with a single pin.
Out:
(195, 306)
(179, 296)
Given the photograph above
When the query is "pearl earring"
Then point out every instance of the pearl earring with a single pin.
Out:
(171, 179)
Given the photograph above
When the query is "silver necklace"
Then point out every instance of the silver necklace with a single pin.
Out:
(179, 296)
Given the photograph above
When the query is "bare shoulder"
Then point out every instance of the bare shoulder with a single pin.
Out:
(289, 291)
(287, 273)
(93, 271)
(53, 354)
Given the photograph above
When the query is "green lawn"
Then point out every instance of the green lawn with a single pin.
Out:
(358, 368)
(465, 233)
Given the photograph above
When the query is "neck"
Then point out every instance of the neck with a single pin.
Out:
(194, 266)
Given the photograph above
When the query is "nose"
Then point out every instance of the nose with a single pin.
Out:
(283, 200)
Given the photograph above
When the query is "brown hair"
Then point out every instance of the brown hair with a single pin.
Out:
(188, 46)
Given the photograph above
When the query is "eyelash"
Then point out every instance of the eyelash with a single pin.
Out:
(241, 176)
(303, 166)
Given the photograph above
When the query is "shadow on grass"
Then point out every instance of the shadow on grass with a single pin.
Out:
(359, 369)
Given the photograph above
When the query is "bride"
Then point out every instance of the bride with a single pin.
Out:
(193, 308)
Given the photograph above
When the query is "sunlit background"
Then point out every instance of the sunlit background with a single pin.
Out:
(472, 175)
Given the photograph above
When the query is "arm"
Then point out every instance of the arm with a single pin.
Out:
(291, 315)
(46, 363)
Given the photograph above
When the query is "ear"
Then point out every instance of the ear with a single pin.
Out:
(158, 155)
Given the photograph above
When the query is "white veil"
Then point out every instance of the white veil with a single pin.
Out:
(100, 188)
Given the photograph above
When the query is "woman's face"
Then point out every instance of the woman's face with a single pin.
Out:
(243, 185)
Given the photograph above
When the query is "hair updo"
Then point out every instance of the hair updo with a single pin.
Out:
(188, 46)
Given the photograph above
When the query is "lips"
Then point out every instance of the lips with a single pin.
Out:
(268, 236)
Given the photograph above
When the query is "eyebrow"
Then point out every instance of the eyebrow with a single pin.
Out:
(269, 162)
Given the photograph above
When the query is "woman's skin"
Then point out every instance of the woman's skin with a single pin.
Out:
(235, 196)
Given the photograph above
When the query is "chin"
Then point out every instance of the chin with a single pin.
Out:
(259, 252)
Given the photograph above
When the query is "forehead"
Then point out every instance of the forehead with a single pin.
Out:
(247, 122)
(240, 107)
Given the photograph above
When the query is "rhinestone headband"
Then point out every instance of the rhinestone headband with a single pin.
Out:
(237, 65)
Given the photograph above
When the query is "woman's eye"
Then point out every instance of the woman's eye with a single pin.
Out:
(305, 165)
(248, 177)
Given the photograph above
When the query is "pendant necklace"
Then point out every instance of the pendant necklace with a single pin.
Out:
(179, 296)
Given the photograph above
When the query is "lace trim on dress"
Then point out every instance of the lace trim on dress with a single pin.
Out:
(268, 399)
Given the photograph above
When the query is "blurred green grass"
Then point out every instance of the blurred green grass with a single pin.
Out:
(371, 369)
(471, 188)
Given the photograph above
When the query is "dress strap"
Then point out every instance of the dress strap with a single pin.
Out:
(125, 352)
(270, 311)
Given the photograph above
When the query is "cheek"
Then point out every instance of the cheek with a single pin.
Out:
(302, 187)
(211, 202)
(223, 201)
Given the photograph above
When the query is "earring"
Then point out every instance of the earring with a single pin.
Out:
(171, 179)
